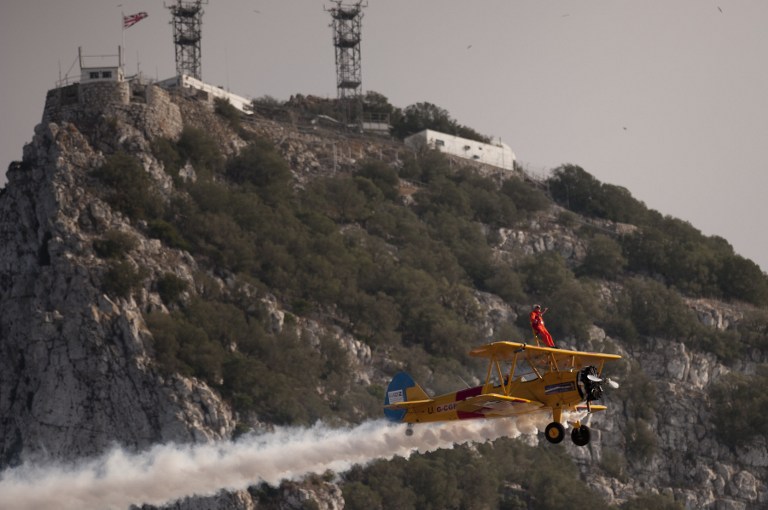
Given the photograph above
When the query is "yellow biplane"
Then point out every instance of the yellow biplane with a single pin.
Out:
(521, 379)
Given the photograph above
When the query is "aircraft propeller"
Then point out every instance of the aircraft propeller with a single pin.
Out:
(611, 382)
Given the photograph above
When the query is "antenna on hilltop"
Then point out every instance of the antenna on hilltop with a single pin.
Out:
(347, 25)
(187, 22)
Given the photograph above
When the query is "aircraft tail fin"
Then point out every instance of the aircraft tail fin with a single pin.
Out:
(402, 388)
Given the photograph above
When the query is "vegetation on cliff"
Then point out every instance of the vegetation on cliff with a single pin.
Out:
(400, 271)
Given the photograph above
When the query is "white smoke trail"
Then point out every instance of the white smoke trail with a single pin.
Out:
(167, 473)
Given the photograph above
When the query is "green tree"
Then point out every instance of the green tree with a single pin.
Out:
(575, 189)
(262, 167)
(198, 147)
(383, 176)
(604, 258)
(526, 197)
(621, 206)
(741, 278)
(739, 407)
(657, 311)
(544, 274)
(420, 116)
(574, 308)
(374, 102)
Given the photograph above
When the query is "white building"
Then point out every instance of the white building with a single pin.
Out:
(496, 154)
(103, 69)
(188, 82)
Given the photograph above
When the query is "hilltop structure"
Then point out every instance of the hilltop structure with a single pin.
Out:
(104, 83)
(106, 71)
(187, 35)
(347, 30)
(496, 154)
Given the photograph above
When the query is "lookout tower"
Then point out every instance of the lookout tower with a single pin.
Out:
(347, 23)
(187, 22)
(99, 67)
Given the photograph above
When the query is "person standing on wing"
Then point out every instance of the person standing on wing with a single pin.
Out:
(537, 323)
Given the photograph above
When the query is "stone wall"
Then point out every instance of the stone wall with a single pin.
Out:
(61, 103)
(99, 95)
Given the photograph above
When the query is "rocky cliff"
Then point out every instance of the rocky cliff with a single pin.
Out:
(77, 369)
(75, 372)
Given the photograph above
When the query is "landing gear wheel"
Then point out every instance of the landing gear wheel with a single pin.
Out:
(580, 435)
(409, 431)
(554, 432)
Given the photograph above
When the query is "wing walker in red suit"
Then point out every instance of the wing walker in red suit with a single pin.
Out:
(537, 324)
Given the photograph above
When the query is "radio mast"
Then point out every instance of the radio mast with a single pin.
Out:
(347, 24)
(187, 22)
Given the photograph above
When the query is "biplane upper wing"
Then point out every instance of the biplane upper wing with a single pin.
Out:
(509, 351)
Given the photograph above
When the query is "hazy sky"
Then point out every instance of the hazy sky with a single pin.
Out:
(668, 98)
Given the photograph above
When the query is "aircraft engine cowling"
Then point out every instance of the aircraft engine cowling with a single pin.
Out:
(590, 384)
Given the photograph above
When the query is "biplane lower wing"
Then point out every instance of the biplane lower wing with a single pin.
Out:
(496, 404)
(592, 408)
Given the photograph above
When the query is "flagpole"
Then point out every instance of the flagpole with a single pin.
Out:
(122, 26)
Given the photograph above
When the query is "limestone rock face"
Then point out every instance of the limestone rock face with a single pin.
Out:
(75, 366)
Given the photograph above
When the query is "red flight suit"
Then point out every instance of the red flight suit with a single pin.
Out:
(537, 323)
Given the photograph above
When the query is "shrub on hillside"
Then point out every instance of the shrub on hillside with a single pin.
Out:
(694, 264)
(259, 165)
(742, 279)
(656, 310)
(575, 189)
(131, 189)
(525, 196)
(114, 245)
(604, 258)
(739, 406)
(383, 176)
(185, 348)
(121, 279)
(544, 273)
(199, 148)
(167, 233)
(170, 287)
(224, 108)
(166, 152)
(420, 116)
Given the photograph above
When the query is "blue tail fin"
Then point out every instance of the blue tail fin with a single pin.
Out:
(402, 388)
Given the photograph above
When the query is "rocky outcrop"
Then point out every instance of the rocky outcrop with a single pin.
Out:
(76, 371)
(542, 234)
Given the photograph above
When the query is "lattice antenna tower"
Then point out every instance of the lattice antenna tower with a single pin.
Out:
(347, 25)
(187, 31)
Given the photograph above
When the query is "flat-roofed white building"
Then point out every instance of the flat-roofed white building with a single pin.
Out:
(496, 153)
(103, 69)
(186, 81)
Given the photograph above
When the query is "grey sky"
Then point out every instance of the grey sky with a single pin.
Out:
(668, 98)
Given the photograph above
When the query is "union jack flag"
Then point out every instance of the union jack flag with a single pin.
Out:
(132, 19)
